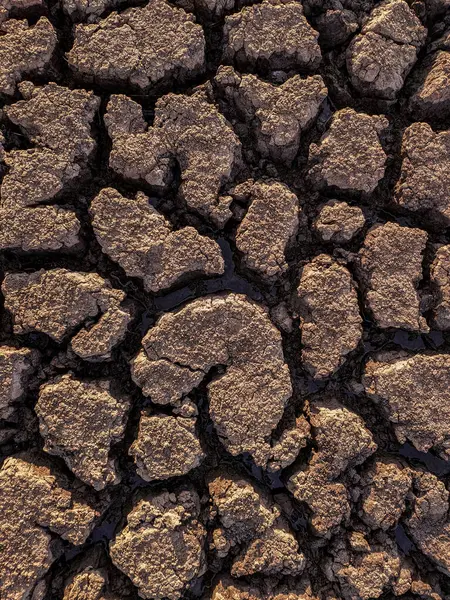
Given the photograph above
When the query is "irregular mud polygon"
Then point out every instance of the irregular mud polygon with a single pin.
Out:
(140, 47)
(268, 227)
(187, 128)
(252, 40)
(412, 391)
(141, 240)
(79, 421)
(229, 330)
(382, 55)
(329, 315)
(349, 155)
(58, 301)
(161, 548)
(390, 267)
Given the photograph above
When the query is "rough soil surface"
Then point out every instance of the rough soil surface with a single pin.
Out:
(390, 263)
(79, 421)
(224, 299)
(329, 315)
(349, 155)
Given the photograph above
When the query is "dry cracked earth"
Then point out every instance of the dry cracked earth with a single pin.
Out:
(225, 299)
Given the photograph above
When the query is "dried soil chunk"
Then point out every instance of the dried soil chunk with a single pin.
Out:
(432, 98)
(79, 421)
(365, 572)
(266, 230)
(329, 312)
(16, 367)
(342, 442)
(57, 301)
(424, 182)
(40, 228)
(230, 589)
(166, 446)
(277, 115)
(161, 548)
(390, 265)
(291, 441)
(385, 486)
(141, 47)
(141, 240)
(35, 502)
(87, 10)
(244, 510)
(57, 121)
(24, 50)
(249, 517)
(252, 37)
(429, 525)
(88, 585)
(276, 552)
(440, 277)
(382, 55)
(339, 222)
(225, 330)
(413, 391)
(186, 128)
(349, 155)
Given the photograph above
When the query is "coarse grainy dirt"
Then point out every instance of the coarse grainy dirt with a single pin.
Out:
(224, 299)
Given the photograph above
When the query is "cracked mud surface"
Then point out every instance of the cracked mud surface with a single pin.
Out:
(224, 299)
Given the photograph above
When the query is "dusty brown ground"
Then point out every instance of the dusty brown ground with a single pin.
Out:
(225, 286)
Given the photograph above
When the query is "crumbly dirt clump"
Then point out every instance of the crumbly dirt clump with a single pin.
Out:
(349, 156)
(79, 421)
(161, 548)
(35, 503)
(329, 314)
(142, 241)
(226, 330)
(58, 301)
(411, 390)
(139, 47)
(252, 37)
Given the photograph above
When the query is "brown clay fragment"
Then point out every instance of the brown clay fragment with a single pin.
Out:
(251, 520)
(187, 128)
(35, 502)
(16, 367)
(390, 267)
(329, 313)
(342, 442)
(57, 301)
(79, 421)
(424, 181)
(251, 37)
(349, 155)
(382, 55)
(227, 330)
(440, 277)
(268, 227)
(385, 486)
(277, 115)
(140, 47)
(338, 222)
(141, 240)
(412, 391)
(166, 446)
(161, 548)
(24, 50)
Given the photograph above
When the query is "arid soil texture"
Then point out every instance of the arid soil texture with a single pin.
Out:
(225, 299)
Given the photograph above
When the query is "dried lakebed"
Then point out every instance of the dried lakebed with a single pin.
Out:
(225, 299)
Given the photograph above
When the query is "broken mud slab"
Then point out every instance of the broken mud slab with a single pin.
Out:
(225, 300)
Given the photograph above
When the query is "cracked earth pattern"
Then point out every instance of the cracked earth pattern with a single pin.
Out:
(225, 299)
